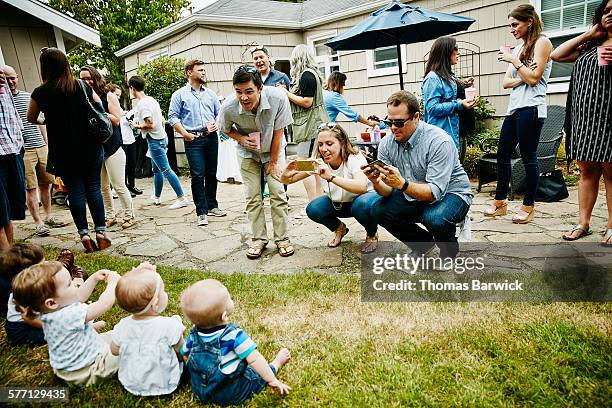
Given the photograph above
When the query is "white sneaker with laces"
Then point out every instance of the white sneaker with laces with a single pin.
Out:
(217, 212)
(42, 230)
(202, 220)
(156, 200)
(180, 203)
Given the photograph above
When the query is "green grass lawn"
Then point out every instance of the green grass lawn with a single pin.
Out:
(347, 353)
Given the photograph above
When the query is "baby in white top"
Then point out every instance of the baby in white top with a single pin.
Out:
(146, 343)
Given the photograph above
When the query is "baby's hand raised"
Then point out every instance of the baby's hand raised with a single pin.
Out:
(100, 275)
(113, 277)
(282, 388)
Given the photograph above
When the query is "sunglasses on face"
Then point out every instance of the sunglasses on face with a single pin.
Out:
(326, 126)
(398, 123)
(248, 69)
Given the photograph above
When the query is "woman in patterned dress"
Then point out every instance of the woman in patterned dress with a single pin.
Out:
(589, 111)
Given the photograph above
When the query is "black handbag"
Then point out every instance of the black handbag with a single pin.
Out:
(99, 126)
(551, 187)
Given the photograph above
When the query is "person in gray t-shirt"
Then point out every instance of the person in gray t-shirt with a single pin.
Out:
(422, 181)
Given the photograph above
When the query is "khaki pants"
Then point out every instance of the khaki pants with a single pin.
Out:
(113, 171)
(250, 170)
(105, 366)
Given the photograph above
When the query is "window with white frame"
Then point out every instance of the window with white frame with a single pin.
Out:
(383, 61)
(563, 20)
(327, 59)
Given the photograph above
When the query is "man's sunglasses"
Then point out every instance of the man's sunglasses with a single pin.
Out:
(248, 69)
(258, 48)
(327, 126)
(398, 123)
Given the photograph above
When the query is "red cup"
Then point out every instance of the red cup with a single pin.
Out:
(602, 62)
(257, 136)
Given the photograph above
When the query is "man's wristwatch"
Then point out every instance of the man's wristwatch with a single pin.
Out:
(405, 186)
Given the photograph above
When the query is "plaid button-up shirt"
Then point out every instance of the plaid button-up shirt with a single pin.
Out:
(11, 140)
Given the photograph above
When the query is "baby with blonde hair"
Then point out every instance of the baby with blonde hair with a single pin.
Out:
(77, 353)
(146, 343)
(223, 361)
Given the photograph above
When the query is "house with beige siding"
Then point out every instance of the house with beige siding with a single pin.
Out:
(26, 26)
(222, 33)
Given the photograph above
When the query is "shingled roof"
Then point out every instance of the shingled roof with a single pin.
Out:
(279, 10)
(264, 14)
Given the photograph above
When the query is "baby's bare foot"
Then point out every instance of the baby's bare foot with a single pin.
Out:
(281, 359)
(99, 325)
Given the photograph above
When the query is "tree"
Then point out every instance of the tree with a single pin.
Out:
(120, 23)
(163, 76)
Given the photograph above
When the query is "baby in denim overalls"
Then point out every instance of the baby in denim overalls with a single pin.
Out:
(223, 361)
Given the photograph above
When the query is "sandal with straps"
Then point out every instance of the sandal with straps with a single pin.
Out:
(256, 250)
(523, 217)
(370, 244)
(607, 237)
(285, 248)
(578, 227)
(495, 210)
(340, 233)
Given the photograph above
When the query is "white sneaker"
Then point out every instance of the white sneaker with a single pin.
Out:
(202, 220)
(156, 200)
(42, 230)
(217, 212)
(114, 193)
(179, 204)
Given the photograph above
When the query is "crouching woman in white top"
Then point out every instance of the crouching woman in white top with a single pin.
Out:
(339, 165)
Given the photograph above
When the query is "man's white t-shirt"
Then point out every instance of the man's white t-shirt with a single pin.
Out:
(148, 107)
(346, 170)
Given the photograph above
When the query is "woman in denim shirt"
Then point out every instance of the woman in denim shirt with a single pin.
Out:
(439, 88)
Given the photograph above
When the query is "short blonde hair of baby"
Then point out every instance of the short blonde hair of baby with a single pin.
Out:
(136, 288)
(34, 285)
(204, 303)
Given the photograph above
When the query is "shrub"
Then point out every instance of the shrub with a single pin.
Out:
(163, 76)
(470, 162)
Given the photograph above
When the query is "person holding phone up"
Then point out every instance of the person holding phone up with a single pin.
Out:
(339, 166)
(421, 183)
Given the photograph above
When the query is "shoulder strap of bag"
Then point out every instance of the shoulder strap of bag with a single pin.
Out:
(82, 83)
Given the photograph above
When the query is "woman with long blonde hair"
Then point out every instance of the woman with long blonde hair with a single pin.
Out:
(307, 108)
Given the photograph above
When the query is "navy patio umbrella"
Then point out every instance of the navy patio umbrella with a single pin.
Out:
(396, 24)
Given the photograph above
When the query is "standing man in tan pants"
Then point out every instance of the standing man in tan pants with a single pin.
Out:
(256, 116)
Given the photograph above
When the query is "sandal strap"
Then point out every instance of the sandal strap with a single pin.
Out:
(579, 227)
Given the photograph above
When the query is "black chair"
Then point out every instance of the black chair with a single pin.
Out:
(550, 140)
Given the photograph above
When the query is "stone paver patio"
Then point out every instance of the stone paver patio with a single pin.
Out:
(171, 237)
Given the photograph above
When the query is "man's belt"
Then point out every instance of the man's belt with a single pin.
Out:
(200, 133)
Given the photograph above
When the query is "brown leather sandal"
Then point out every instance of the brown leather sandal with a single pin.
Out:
(285, 248)
(256, 250)
(88, 244)
(340, 233)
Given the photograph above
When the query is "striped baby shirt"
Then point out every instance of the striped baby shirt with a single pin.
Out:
(236, 345)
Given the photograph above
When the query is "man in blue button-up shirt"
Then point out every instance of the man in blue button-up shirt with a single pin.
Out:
(192, 114)
(422, 181)
(12, 180)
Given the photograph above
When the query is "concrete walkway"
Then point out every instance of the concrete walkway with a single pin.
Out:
(171, 237)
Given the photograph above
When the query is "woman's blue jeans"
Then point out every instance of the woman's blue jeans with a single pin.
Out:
(523, 127)
(83, 186)
(161, 167)
(321, 210)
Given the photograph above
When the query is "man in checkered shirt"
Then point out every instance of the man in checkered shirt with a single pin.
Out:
(12, 172)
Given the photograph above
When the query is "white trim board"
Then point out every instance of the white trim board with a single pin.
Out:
(55, 18)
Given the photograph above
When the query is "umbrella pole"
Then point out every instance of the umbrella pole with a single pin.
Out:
(399, 66)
